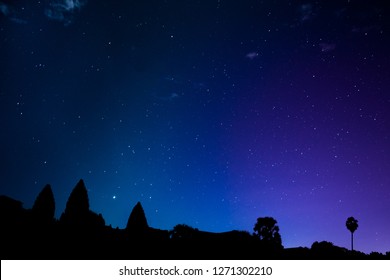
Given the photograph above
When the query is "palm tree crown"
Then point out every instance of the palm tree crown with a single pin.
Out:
(352, 224)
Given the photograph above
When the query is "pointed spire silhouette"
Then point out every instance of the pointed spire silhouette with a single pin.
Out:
(137, 219)
(77, 206)
(78, 202)
(44, 205)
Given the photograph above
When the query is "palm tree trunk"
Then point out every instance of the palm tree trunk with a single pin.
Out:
(352, 240)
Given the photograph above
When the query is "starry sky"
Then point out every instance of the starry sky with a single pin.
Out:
(211, 113)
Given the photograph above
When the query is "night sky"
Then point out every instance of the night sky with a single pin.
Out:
(210, 113)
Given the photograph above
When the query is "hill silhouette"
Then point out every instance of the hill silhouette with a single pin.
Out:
(80, 233)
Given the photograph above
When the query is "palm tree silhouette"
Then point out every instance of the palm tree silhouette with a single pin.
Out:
(352, 225)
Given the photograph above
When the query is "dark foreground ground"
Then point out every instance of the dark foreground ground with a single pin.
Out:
(82, 234)
(60, 243)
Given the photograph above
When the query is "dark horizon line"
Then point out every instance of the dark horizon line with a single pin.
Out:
(81, 182)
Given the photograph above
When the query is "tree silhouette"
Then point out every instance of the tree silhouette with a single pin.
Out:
(183, 232)
(44, 206)
(267, 231)
(352, 225)
(137, 219)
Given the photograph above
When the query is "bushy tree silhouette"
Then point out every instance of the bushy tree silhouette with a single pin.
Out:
(267, 231)
(44, 206)
(137, 219)
(352, 225)
(326, 250)
(183, 232)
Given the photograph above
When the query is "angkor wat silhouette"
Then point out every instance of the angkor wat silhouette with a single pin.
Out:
(80, 233)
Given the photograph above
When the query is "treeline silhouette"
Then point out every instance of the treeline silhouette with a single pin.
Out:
(80, 233)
